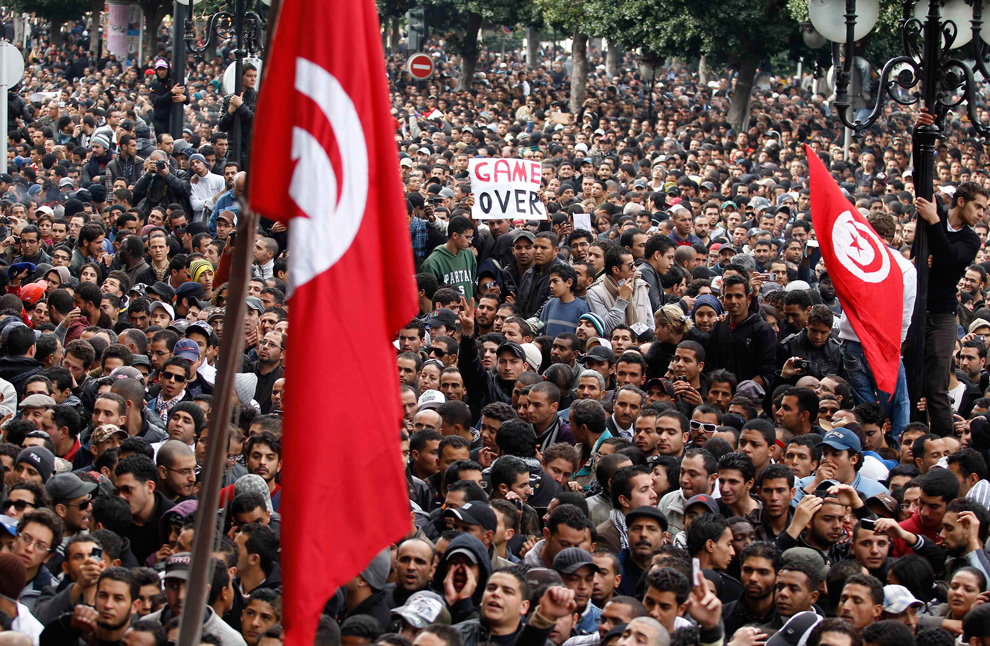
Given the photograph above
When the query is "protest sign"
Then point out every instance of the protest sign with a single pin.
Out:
(506, 189)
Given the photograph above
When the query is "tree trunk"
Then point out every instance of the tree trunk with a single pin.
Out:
(612, 59)
(154, 13)
(532, 46)
(579, 71)
(396, 36)
(703, 70)
(55, 33)
(19, 31)
(469, 52)
(738, 115)
(96, 7)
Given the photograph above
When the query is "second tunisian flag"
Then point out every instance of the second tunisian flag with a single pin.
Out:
(324, 161)
(866, 275)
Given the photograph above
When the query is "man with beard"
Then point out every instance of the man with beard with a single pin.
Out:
(817, 522)
(484, 314)
(964, 532)
(760, 562)
(263, 457)
(117, 600)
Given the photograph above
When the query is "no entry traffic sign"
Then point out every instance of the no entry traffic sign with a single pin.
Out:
(420, 66)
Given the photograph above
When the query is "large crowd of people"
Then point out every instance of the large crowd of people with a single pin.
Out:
(643, 420)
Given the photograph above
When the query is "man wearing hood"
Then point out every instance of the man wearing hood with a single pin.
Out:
(461, 577)
(164, 93)
(365, 594)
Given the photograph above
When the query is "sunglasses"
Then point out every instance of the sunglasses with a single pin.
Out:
(19, 505)
(707, 428)
(174, 377)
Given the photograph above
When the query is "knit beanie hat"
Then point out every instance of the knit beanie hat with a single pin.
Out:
(194, 411)
(39, 458)
(198, 266)
(710, 301)
(595, 320)
(12, 576)
(100, 139)
(253, 483)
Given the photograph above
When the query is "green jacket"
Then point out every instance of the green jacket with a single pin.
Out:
(458, 271)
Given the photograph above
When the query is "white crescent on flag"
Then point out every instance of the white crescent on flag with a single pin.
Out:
(320, 239)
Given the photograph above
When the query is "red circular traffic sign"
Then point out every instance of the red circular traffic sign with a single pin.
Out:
(420, 66)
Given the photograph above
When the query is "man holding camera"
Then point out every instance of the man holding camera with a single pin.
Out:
(159, 186)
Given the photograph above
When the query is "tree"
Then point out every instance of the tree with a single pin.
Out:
(56, 12)
(389, 14)
(738, 34)
(569, 16)
(154, 12)
(461, 22)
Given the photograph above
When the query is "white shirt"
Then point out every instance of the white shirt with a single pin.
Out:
(26, 623)
(909, 277)
(203, 190)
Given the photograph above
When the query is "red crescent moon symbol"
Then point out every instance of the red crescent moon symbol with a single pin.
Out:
(877, 257)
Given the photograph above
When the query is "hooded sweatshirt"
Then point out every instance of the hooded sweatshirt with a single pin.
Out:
(466, 608)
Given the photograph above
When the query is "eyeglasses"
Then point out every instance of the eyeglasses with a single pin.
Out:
(174, 377)
(27, 539)
(19, 505)
(185, 473)
(160, 353)
(707, 428)
(264, 343)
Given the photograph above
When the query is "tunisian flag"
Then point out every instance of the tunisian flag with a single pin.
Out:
(324, 162)
(866, 275)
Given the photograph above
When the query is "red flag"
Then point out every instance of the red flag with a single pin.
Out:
(866, 276)
(324, 161)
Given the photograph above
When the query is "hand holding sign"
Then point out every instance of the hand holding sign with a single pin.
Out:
(506, 189)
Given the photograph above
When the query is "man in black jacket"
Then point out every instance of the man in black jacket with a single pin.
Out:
(953, 247)
(164, 93)
(159, 186)
(744, 343)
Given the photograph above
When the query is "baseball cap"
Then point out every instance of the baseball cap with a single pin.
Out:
(842, 439)
(406, 162)
(442, 316)
(523, 233)
(513, 347)
(649, 512)
(601, 353)
(162, 305)
(9, 524)
(897, 599)
(797, 629)
(807, 555)
(66, 486)
(253, 303)
(422, 609)
(190, 289)
(105, 432)
(376, 572)
(475, 513)
(430, 399)
(161, 64)
(886, 504)
(702, 499)
(228, 215)
(177, 566)
(186, 349)
(571, 559)
(163, 290)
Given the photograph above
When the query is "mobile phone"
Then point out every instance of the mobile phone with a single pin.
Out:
(869, 523)
(96, 554)
(697, 578)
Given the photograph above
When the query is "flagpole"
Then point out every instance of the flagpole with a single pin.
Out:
(231, 351)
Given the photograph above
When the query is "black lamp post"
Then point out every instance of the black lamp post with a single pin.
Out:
(248, 32)
(931, 72)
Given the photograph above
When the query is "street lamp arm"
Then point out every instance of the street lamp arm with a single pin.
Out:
(969, 95)
(189, 34)
(907, 78)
